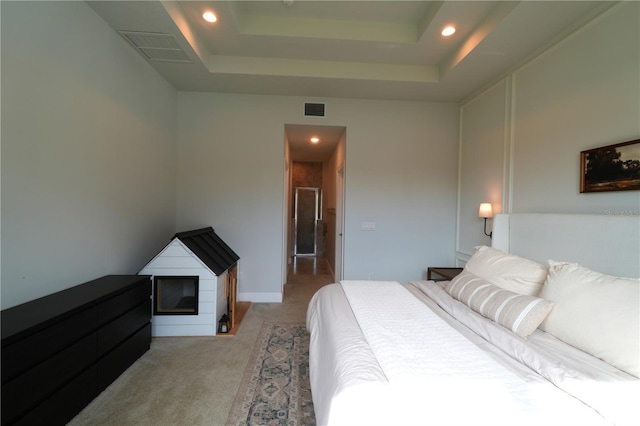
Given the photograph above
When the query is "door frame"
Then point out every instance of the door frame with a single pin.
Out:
(287, 219)
(339, 237)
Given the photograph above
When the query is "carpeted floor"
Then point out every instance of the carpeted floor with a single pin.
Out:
(275, 389)
(193, 381)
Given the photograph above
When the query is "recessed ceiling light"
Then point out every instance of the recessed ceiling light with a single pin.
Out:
(209, 16)
(314, 139)
(448, 30)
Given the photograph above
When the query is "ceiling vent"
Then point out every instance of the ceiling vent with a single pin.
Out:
(157, 46)
(313, 109)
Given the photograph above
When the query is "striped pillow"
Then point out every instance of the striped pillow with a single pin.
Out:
(518, 312)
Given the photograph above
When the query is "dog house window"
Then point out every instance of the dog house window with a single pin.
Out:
(175, 295)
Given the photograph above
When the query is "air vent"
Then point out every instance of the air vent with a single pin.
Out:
(313, 109)
(157, 46)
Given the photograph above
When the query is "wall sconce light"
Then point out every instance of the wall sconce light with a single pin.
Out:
(486, 211)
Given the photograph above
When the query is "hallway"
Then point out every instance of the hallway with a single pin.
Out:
(306, 275)
(309, 265)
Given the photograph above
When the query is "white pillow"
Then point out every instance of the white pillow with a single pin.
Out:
(518, 312)
(596, 313)
(507, 270)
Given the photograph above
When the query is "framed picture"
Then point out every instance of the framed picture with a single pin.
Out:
(611, 168)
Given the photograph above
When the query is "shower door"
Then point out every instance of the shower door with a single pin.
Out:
(307, 214)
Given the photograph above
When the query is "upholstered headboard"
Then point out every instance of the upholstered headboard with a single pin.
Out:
(605, 243)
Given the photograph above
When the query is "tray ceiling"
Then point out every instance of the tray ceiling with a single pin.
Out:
(347, 49)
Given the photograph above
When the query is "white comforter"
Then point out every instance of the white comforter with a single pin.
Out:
(382, 356)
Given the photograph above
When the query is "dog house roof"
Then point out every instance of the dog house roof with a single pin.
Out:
(209, 248)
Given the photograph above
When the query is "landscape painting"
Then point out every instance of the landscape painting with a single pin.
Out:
(611, 168)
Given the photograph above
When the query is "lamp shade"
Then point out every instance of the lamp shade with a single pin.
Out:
(485, 210)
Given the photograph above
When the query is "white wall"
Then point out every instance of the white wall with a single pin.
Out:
(88, 140)
(484, 155)
(582, 93)
(400, 173)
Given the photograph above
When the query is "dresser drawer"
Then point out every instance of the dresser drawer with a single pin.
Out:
(122, 327)
(118, 305)
(26, 353)
(119, 359)
(29, 389)
(65, 403)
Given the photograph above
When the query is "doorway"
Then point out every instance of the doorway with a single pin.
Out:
(314, 232)
(307, 212)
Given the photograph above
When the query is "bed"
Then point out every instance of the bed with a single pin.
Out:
(540, 328)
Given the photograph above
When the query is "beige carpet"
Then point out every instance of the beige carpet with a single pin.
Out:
(194, 380)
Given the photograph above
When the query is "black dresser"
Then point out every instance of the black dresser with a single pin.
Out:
(60, 351)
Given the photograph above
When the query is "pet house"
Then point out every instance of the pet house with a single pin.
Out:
(194, 284)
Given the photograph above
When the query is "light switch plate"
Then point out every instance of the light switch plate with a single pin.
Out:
(367, 226)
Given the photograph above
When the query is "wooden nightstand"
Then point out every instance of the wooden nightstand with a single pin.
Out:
(444, 273)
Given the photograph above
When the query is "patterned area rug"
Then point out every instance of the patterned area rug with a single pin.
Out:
(275, 389)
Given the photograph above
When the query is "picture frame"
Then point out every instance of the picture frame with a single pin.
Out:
(611, 168)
